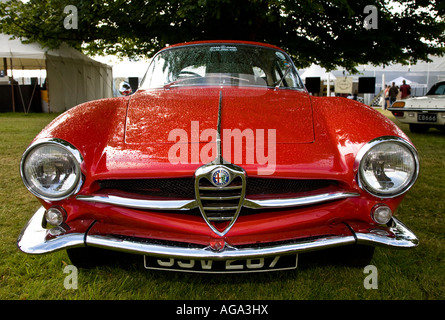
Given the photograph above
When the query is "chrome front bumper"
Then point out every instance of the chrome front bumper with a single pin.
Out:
(33, 240)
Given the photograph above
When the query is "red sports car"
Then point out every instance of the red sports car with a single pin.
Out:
(220, 161)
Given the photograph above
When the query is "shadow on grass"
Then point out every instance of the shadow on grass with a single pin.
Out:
(329, 258)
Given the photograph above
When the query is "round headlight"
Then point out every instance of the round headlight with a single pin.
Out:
(387, 167)
(50, 169)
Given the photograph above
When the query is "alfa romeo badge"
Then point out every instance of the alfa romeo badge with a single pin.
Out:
(220, 177)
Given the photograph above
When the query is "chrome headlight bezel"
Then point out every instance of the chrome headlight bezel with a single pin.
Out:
(366, 150)
(74, 155)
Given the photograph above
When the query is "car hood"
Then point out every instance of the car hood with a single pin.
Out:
(191, 115)
(129, 137)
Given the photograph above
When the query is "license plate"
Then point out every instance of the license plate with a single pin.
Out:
(427, 117)
(223, 266)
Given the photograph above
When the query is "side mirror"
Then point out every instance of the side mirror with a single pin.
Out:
(125, 89)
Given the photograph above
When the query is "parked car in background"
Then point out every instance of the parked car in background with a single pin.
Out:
(422, 113)
(220, 162)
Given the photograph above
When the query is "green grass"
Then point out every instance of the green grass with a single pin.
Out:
(402, 274)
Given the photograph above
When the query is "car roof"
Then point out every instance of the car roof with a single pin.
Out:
(434, 87)
(224, 42)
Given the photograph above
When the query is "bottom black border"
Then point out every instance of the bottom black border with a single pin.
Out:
(221, 309)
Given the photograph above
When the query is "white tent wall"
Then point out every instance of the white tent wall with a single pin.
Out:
(72, 77)
(73, 81)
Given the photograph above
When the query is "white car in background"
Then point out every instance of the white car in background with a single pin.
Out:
(422, 113)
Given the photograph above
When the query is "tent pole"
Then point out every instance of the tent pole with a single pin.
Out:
(383, 92)
(12, 86)
(47, 83)
(328, 91)
(5, 66)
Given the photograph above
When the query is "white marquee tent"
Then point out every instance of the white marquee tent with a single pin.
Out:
(399, 81)
(437, 64)
(72, 77)
(317, 71)
(420, 76)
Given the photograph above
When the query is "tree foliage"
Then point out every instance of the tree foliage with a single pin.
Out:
(330, 33)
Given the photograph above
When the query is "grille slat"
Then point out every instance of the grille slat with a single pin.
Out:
(220, 219)
(220, 204)
(221, 189)
(220, 197)
(221, 208)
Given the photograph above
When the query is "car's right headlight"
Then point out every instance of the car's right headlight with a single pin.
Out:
(387, 167)
(50, 169)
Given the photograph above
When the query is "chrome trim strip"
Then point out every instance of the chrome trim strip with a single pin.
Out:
(140, 203)
(33, 240)
(207, 253)
(416, 109)
(297, 202)
(192, 204)
(218, 130)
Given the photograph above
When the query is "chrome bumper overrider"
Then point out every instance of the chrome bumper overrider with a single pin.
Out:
(33, 240)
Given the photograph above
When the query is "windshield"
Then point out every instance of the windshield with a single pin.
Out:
(221, 64)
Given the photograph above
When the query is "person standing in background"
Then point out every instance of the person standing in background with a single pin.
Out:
(386, 97)
(393, 91)
(405, 89)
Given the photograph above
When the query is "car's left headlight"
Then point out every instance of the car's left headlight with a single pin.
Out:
(50, 169)
(387, 167)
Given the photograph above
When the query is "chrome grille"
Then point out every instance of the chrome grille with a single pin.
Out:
(220, 204)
